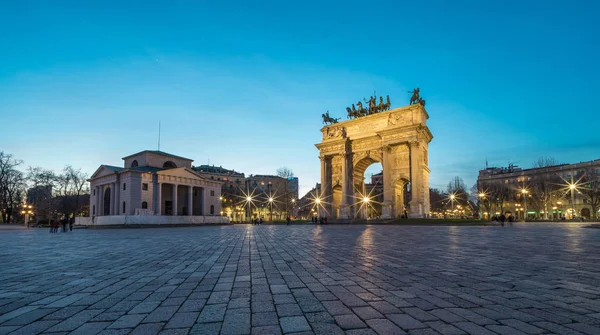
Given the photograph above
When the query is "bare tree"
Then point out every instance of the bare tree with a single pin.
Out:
(457, 187)
(287, 174)
(42, 183)
(590, 189)
(11, 186)
(544, 186)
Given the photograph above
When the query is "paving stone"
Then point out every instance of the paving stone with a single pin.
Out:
(160, 314)
(128, 321)
(294, 324)
(288, 310)
(264, 319)
(326, 329)
(472, 328)
(147, 329)
(266, 330)
(349, 322)
(384, 327)
(236, 322)
(522, 326)
(367, 313)
(212, 313)
(206, 328)
(90, 328)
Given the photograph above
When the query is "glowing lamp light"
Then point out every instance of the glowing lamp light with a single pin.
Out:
(317, 200)
(270, 199)
(572, 186)
(249, 198)
(366, 200)
(452, 196)
(481, 195)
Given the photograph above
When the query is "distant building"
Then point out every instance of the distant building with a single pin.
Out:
(374, 193)
(232, 189)
(153, 183)
(517, 190)
(274, 196)
(306, 205)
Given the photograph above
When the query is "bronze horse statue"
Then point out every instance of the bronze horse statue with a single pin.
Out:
(415, 97)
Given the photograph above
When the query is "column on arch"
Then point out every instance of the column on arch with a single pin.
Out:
(388, 184)
(97, 200)
(347, 180)
(190, 200)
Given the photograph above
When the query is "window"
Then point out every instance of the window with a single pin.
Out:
(124, 186)
(94, 191)
(145, 187)
(144, 205)
(123, 207)
(169, 165)
(212, 209)
(134, 164)
(94, 210)
(212, 193)
(195, 192)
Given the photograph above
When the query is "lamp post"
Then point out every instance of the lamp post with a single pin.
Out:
(525, 192)
(27, 210)
(572, 188)
(270, 208)
(482, 201)
(293, 207)
(452, 197)
(249, 201)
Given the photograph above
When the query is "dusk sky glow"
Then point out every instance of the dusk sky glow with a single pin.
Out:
(243, 84)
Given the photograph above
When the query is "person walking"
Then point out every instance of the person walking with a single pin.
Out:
(287, 220)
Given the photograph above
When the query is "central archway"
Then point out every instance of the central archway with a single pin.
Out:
(399, 140)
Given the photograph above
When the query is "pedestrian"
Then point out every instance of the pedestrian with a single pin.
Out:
(502, 219)
(64, 223)
(71, 223)
(405, 214)
(287, 220)
(260, 221)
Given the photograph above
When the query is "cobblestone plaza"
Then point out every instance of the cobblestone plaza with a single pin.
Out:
(351, 279)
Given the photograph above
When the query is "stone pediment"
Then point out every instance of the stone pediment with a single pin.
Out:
(182, 173)
(105, 170)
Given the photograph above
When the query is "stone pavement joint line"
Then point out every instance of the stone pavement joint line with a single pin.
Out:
(336, 279)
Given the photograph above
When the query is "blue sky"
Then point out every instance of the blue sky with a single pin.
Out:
(244, 83)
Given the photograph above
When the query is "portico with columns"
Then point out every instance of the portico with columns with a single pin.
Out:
(154, 183)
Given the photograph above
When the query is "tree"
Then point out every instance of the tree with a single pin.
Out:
(287, 174)
(544, 186)
(12, 186)
(42, 183)
(436, 200)
(457, 187)
(590, 189)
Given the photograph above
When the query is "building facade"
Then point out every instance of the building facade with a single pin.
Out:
(232, 189)
(564, 191)
(153, 183)
(273, 197)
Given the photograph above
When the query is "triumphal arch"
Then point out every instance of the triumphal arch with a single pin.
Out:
(396, 138)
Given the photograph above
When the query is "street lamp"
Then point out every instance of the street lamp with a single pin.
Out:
(525, 192)
(452, 197)
(271, 208)
(27, 210)
(249, 201)
(482, 200)
(572, 187)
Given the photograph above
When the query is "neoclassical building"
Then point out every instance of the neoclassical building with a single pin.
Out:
(154, 183)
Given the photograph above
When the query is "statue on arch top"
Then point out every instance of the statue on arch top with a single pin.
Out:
(415, 96)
